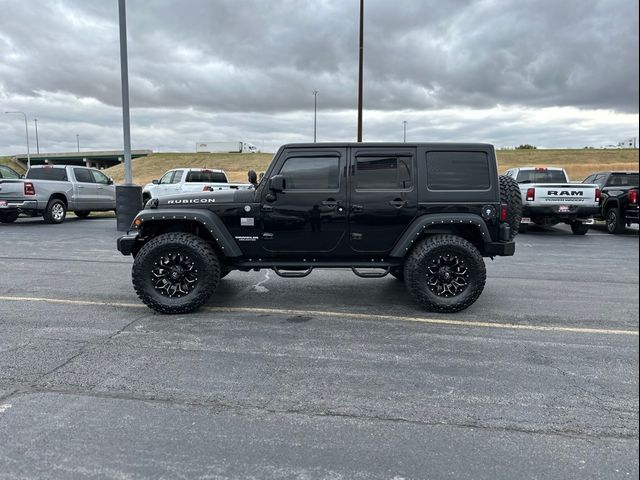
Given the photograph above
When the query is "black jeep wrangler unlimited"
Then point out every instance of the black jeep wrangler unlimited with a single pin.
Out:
(425, 213)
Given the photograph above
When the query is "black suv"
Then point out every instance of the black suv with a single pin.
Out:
(425, 213)
(619, 201)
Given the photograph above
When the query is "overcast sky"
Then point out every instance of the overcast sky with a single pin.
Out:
(553, 73)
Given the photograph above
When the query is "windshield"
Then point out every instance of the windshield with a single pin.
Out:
(541, 176)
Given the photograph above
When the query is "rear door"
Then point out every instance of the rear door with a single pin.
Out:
(86, 190)
(383, 196)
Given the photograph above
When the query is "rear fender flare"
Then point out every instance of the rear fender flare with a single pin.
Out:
(423, 223)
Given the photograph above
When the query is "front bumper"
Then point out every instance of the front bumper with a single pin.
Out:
(20, 205)
(127, 243)
(574, 212)
(500, 249)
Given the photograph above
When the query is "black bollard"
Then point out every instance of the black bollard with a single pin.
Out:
(128, 204)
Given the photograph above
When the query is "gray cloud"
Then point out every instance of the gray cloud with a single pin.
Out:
(202, 63)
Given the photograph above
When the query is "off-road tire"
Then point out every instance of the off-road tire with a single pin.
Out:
(207, 267)
(416, 273)
(9, 217)
(398, 273)
(614, 221)
(55, 212)
(579, 228)
(82, 213)
(224, 272)
(511, 196)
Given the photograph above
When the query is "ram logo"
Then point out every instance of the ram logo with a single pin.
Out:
(567, 193)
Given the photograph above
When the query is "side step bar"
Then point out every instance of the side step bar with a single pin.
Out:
(383, 273)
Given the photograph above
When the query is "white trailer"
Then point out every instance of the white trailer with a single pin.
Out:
(226, 147)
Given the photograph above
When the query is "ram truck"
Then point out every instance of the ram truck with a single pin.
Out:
(183, 180)
(619, 202)
(425, 213)
(50, 191)
(549, 198)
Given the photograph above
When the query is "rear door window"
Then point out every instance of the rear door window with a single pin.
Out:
(59, 174)
(388, 172)
(458, 171)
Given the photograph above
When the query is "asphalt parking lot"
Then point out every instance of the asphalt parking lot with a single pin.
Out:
(330, 376)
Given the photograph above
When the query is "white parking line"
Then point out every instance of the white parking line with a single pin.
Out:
(352, 315)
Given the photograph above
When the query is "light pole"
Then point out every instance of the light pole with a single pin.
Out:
(315, 111)
(26, 131)
(78, 142)
(35, 120)
(404, 131)
(360, 64)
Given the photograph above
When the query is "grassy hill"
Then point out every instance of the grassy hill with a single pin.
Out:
(579, 163)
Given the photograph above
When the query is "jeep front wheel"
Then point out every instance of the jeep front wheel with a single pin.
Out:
(175, 273)
(445, 273)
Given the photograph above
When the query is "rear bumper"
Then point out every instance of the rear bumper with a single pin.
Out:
(631, 215)
(500, 249)
(126, 243)
(20, 205)
(574, 212)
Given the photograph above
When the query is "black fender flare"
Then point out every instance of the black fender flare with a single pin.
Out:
(425, 222)
(206, 218)
(610, 202)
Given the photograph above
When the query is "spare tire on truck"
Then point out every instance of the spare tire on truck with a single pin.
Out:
(510, 196)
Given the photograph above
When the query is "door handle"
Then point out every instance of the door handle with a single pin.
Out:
(330, 203)
(398, 203)
(356, 208)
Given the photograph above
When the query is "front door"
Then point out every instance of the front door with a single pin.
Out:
(310, 215)
(87, 190)
(384, 196)
(106, 191)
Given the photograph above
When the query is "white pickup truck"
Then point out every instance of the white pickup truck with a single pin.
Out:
(51, 191)
(180, 180)
(549, 198)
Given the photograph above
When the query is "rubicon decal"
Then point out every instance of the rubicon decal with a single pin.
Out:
(191, 200)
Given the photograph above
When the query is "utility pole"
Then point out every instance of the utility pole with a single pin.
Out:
(315, 113)
(35, 120)
(404, 131)
(78, 142)
(26, 132)
(360, 64)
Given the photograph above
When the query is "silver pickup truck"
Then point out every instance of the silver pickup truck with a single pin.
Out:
(51, 191)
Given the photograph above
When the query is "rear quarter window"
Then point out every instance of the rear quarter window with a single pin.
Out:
(458, 171)
(59, 174)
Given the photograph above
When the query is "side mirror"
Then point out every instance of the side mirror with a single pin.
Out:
(155, 182)
(277, 183)
(253, 178)
(110, 181)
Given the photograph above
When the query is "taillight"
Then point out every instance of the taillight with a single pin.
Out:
(531, 194)
(598, 194)
(29, 189)
(633, 197)
(503, 213)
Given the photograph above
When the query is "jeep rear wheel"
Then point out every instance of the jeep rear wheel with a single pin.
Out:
(445, 273)
(175, 273)
(511, 196)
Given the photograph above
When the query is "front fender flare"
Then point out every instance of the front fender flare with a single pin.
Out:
(206, 218)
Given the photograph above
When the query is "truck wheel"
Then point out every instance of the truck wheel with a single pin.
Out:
(445, 273)
(579, 228)
(511, 196)
(397, 272)
(55, 212)
(82, 213)
(175, 273)
(614, 221)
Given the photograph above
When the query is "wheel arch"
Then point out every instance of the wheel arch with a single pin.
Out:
(59, 196)
(469, 226)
